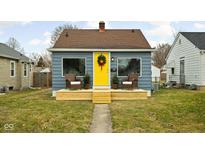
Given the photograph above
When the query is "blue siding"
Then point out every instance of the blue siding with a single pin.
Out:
(145, 79)
(58, 81)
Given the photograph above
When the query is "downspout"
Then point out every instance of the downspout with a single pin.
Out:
(29, 84)
(200, 68)
(20, 75)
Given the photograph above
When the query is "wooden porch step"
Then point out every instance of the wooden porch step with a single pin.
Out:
(101, 96)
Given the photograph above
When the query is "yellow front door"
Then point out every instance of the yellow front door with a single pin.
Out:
(101, 72)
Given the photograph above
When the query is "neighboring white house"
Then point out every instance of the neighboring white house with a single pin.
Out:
(45, 70)
(155, 73)
(185, 62)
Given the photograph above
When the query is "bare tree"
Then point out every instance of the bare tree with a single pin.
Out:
(14, 44)
(40, 62)
(46, 56)
(58, 30)
(35, 57)
(159, 56)
(176, 30)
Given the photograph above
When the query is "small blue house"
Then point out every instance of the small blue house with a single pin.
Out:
(124, 51)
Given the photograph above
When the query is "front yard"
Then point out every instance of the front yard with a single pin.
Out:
(170, 110)
(37, 111)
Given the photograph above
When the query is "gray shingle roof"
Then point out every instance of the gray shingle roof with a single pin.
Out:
(197, 38)
(6, 51)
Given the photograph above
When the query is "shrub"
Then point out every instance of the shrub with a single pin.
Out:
(86, 79)
(115, 80)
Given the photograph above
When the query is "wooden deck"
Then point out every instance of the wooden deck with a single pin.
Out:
(101, 96)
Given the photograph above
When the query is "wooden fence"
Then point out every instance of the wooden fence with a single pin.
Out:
(42, 79)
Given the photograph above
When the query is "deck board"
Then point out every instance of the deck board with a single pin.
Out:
(101, 96)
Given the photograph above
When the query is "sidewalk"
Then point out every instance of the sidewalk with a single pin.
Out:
(101, 122)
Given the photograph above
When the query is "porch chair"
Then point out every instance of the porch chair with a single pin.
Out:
(72, 82)
(131, 82)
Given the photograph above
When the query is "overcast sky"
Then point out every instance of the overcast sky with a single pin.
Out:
(35, 36)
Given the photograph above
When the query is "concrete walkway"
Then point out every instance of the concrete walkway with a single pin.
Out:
(101, 122)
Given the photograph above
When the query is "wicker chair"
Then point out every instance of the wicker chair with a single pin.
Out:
(72, 82)
(131, 82)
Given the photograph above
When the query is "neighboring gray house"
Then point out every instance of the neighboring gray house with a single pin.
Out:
(15, 69)
(186, 59)
(78, 51)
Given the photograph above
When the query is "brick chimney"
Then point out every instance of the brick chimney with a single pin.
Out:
(101, 26)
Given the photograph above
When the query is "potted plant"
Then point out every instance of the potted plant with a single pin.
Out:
(87, 81)
(115, 82)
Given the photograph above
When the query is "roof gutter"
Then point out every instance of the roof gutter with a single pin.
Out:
(9, 57)
(93, 50)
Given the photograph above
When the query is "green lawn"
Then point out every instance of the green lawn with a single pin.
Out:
(170, 110)
(37, 111)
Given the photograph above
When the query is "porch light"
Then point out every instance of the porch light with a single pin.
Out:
(112, 59)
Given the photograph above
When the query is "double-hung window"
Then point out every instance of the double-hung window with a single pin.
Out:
(25, 70)
(12, 69)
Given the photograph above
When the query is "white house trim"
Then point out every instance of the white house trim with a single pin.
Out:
(25, 69)
(93, 70)
(94, 50)
(14, 68)
(109, 70)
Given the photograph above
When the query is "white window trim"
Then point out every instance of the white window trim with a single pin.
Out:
(130, 58)
(30, 68)
(26, 69)
(73, 58)
(14, 68)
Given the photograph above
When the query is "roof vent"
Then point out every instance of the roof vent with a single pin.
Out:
(66, 34)
(133, 30)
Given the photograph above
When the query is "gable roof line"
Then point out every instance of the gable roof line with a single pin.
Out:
(196, 38)
(172, 46)
(175, 43)
(190, 41)
(144, 37)
(8, 52)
